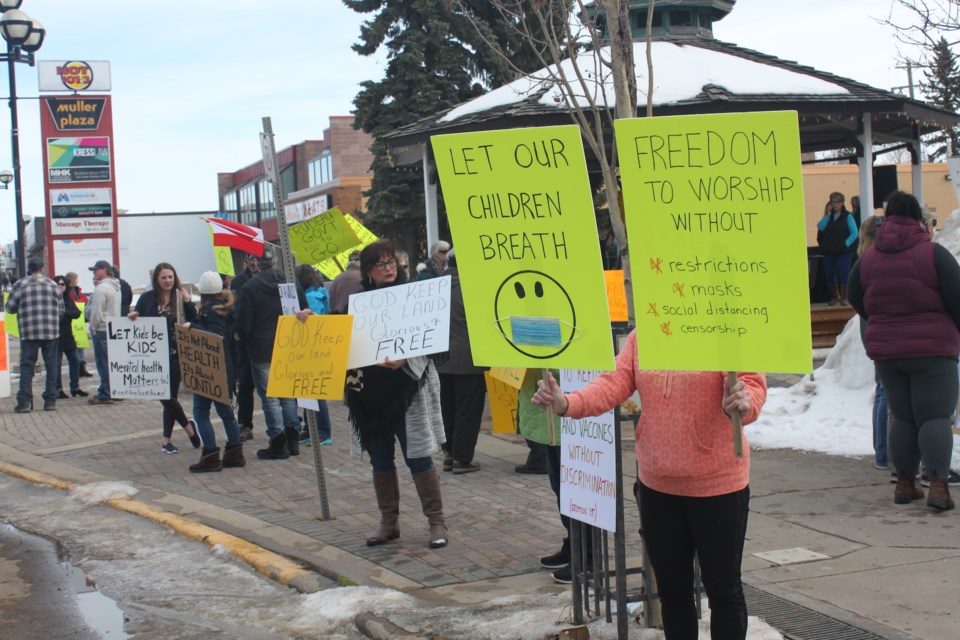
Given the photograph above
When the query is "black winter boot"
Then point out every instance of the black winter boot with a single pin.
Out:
(293, 440)
(277, 450)
(233, 455)
(209, 461)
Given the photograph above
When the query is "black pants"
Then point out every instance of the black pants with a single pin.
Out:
(676, 527)
(461, 404)
(245, 386)
(172, 411)
(922, 395)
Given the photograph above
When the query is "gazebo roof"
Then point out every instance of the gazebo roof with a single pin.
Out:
(694, 76)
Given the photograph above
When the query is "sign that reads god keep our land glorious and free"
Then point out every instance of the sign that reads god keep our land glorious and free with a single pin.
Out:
(522, 217)
(715, 221)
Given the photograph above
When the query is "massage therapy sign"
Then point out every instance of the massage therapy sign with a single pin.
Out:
(521, 214)
(715, 221)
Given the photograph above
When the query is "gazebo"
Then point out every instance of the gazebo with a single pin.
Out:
(695, 74)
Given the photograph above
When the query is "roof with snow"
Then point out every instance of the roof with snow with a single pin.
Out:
(700, 75)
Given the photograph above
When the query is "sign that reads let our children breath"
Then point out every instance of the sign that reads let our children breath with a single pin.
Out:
(521, 213)
(714, 213)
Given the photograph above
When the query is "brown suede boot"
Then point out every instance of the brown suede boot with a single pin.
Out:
(939, 496)
(906, 490)
(388, 501)
(834, 296)
(428, 488)
(843, 295)
(209, 461)
(233, 455)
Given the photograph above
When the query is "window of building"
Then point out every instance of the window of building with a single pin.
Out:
(230, 205)
(642, 20)
(321, 169)
(248, 203)
(681, 18)
(268, 207)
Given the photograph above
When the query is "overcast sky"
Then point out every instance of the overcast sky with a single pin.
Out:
(192, 80)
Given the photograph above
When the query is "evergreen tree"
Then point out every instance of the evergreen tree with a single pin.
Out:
(435, 59)
(942, 88)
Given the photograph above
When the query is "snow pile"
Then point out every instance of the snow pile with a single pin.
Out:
(99, 492)
(338, 606)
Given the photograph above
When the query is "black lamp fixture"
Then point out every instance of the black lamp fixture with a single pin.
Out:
(24, 36)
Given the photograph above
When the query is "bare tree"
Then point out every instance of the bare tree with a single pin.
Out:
(925, 21)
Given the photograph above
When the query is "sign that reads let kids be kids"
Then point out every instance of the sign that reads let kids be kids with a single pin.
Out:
(715, 220)
(521, 213)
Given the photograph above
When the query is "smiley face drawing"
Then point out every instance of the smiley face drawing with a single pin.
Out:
(535, 314)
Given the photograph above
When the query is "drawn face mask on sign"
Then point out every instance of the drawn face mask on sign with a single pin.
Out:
(535, 314)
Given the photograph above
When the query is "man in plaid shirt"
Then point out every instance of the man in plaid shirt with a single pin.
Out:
(38, 304)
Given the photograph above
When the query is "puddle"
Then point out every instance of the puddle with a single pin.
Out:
(98, 611)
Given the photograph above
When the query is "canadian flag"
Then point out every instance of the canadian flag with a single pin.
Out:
(237, 236)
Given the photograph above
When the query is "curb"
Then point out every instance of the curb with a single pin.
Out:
(270, 564)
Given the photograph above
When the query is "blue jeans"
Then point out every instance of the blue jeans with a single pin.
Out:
(324, 429)
(381, 454)
(103, 365)
(73, 367)
(277, 412)
(29, 350)
(201, 415)
(836, 267)
(880, 422)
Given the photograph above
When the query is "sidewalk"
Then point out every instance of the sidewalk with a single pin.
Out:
(885, 569)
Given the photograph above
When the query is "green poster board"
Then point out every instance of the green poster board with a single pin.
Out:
(522, 217)
(322, 237)
(79, 327)
(715, 224)
(10, 319)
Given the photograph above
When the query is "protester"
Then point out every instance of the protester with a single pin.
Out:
(126, 292)
(462, 386)
(397, 400)
(168, 300)
(67, 344)
(38, 304)
(868, 236)
(907, 290)
(536, 462)
(436, 264)
(104, 304)
(345, 285)
(403, 264)
(258, 309)
(319, 303)
(73, 288)
(694, 492)
(837, 239)
(215, 316)
(245, 386)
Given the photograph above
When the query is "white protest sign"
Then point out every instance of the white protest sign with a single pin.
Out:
(400, 322)
(288, 298)
(139, 358)
(588, 476)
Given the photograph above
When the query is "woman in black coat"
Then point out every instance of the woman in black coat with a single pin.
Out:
(67, 343)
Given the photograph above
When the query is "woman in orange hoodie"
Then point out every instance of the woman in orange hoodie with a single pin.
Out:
(694, 492)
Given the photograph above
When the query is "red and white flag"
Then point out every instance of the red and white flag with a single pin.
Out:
(237, 236)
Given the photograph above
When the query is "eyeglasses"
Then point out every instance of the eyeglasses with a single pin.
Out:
(61, 284)
(384, 265)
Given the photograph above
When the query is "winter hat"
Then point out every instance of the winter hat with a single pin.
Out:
(210, 283)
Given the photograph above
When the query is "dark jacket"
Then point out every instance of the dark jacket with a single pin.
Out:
(908, 290)
(147, 308)
(837, 235)
(218, 316)
(126, 296)
(460, 358)
(70, 313)
(258, 307)
(342, 287)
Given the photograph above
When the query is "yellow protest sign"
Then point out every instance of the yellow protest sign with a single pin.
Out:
(310, 358)
(321, 237)
(10, 319)
(715, 222)
(503, 401)
(79, 328)
(511, 376)
(521, 213)
(222, 256)
(332, 267)
(616, 295)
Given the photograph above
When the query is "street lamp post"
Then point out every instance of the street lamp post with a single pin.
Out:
(24, 36)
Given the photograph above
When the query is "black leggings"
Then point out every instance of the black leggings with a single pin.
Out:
(922, 395)
(172, 411)
(674, 527)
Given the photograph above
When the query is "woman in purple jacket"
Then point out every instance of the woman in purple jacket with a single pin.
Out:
(907, 289)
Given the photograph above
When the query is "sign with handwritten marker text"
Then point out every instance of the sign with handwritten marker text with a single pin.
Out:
(512, 376)
(400, 322)
(138, 354)
(588, 478)
(289, 302)
(521, 213)
(504, 400)
(10, 320)
(310, 358)
(322, 237)
(79, 328)
(332, 267)
(203, 363)
(616, 295)
(715, 220)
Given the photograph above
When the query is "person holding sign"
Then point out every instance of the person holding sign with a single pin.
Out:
(167, 299)
(694, 492)
(215, 316)
(68, 344)
(397, 400)
(319, 303)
